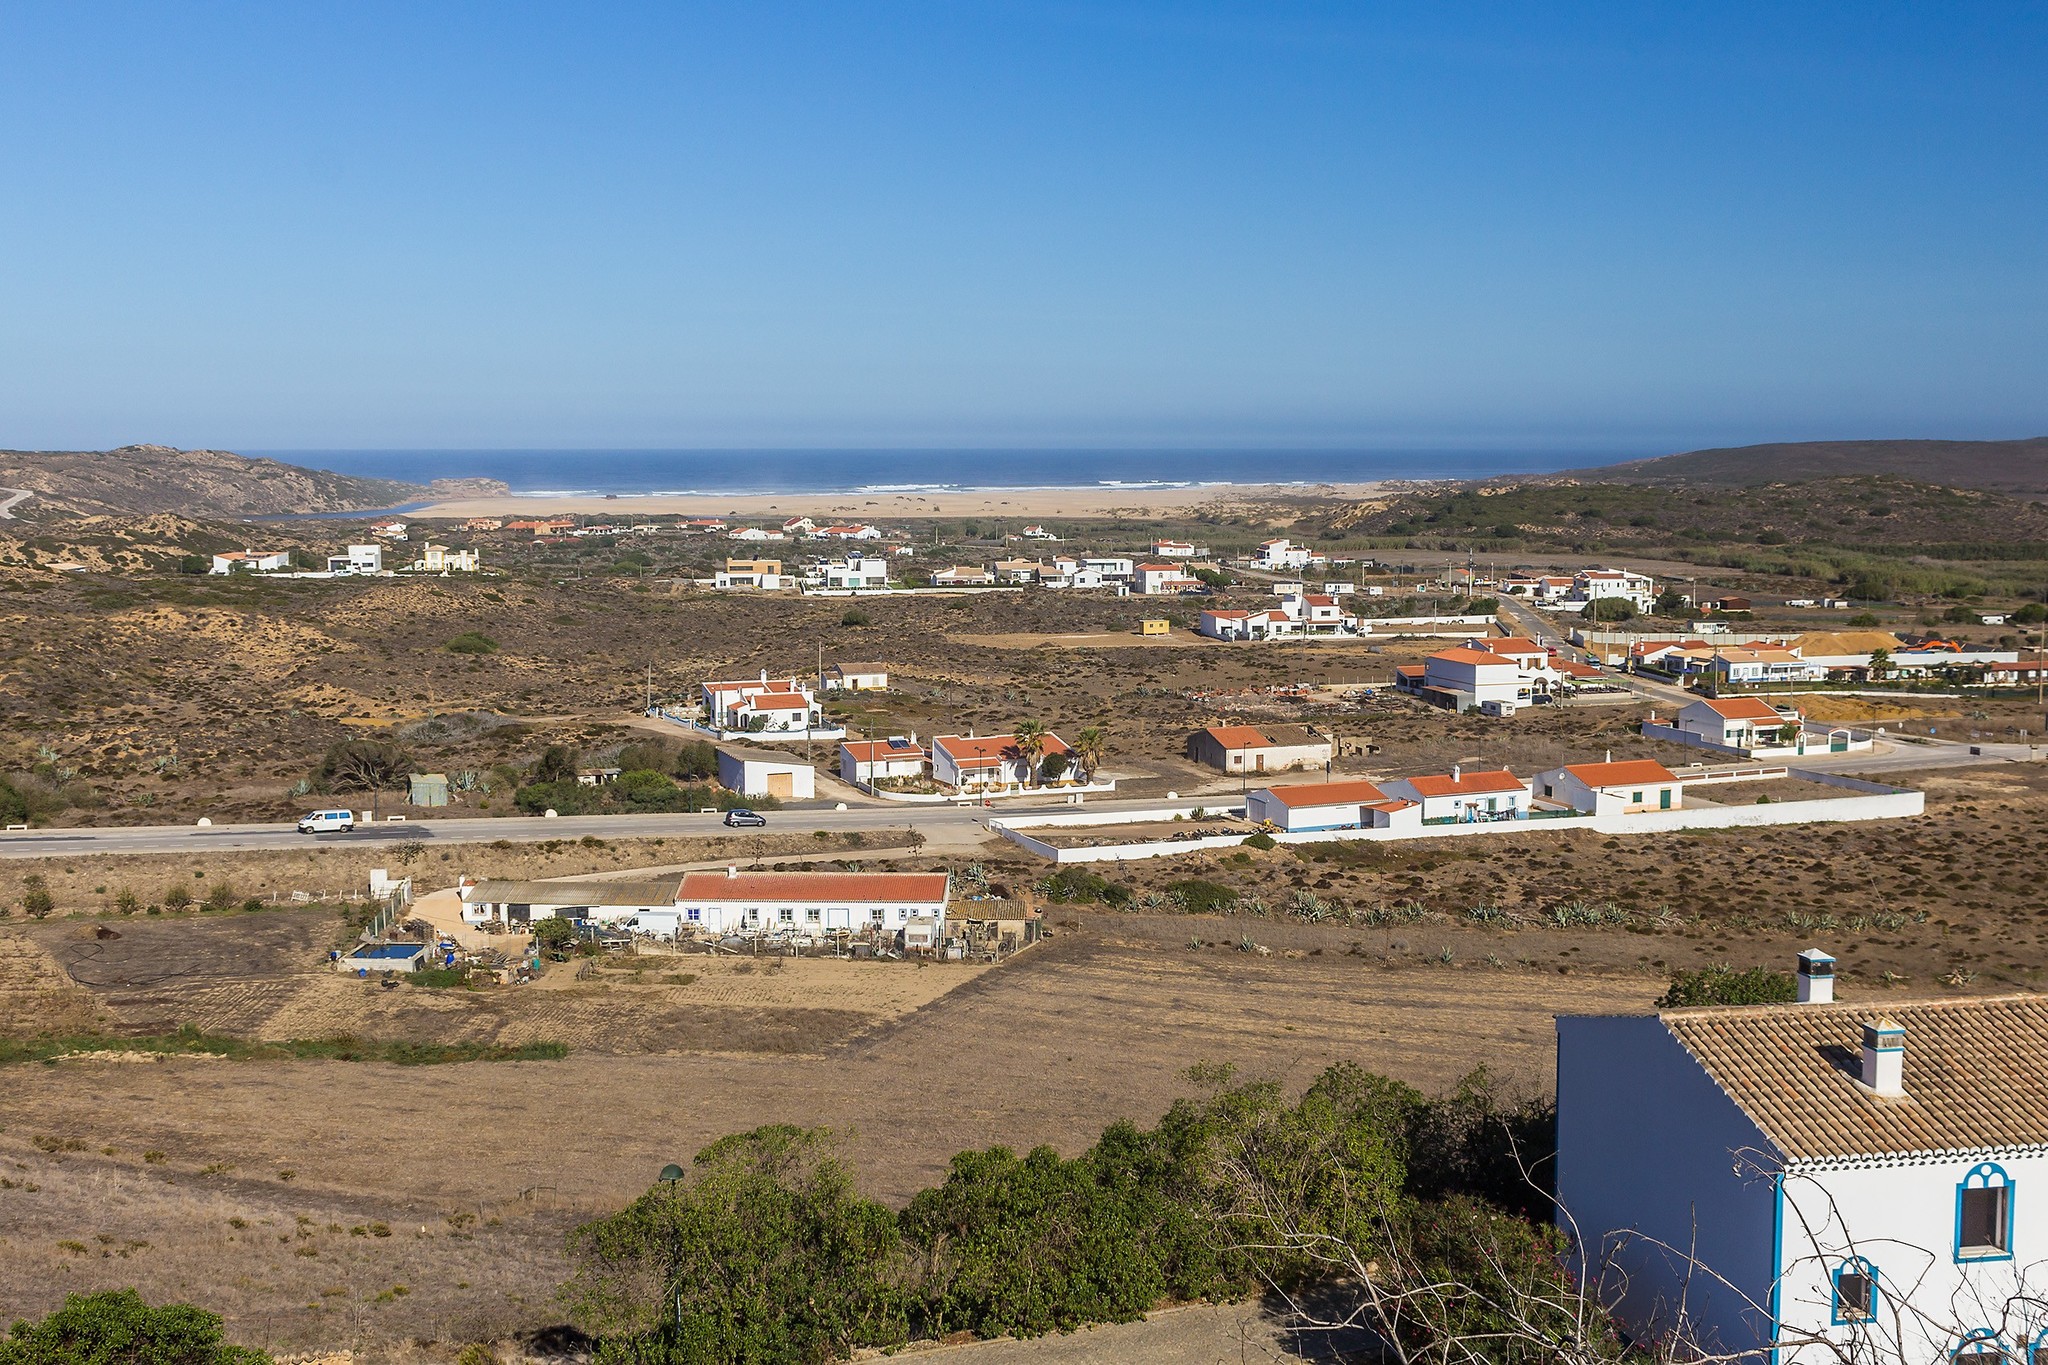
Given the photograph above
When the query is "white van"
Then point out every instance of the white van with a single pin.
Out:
(325, 821)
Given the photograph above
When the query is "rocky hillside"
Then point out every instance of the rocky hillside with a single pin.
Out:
(195, 483)
(1998, 466)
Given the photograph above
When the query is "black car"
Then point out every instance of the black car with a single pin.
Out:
(743, 816)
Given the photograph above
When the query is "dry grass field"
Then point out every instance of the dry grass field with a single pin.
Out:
(127, 1172)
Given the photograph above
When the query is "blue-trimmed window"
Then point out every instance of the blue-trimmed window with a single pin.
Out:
(1855, 1292)
(1981, 1347)
(1984, 1214)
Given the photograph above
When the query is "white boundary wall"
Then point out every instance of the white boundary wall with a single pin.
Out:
(1874, 802)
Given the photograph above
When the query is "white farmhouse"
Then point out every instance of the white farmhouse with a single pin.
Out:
(1600, 585)
(864, 761)
(251, 561)
(856, 677)
(1162, 580)
(1459, 797)
(1467, 676)
(990, 762)
(1174, 549)
(1814, 1183)
(1733, 722)
(781, 706)
(1308, 806)
(733, 901)
(1610, 788)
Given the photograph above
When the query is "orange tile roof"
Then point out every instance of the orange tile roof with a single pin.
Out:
(868, 750)
(1621, 774)
(775, 701)
(813, 887)
(1976, 1074)
(1238, 737)
(1514, 644)
(1354, 793)
(1443, 784)
(986, 751)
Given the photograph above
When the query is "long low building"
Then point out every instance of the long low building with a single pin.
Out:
(605, 901)
(1259, 749)
(728, 902)
(1331, 805)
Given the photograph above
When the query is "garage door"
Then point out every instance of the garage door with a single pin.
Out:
(782, 786)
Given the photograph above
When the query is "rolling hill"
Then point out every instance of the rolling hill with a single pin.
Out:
(149, 479)
(1996, 466)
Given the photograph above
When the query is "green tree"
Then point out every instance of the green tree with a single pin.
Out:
(177, 896)
(1610, 609)
(765, 1253)
(1030, 744)
(116, 1327)
(35, 896)
(1053, 767)
(1880, 663)
(557, 763)
(13, 805)
(1723, 985)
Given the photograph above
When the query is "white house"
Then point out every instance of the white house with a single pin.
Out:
(1610, 788)
(1316, 613)
(251, 561)
(781, 705)
(962, 576)
(1174, 549)
(1281, 556)
(359, 559)
(1762, 665)
(1235, 624)
(1356, 804)
(765, 574)
(601, 900)
(1545, 588)
(793, 903)
(1465, 677)
(388, 530)
(866, 760)
(1038, 533)
(1599, 585)
(846, 677)
(760, 772)
(856, 532)
(1063, 572)
(1162, 580)
(989, 762)
(442, 559)
(1465, 798)
(799, 526)
(1734, 722)
(1813, 1183)
(753, 533)
(1111, 568)
(857, 571)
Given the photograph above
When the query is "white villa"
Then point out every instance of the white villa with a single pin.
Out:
(1282, 556)
(1174, 549)
(1813, 1183)
(1162, 580)
(1734, 722)
(1460, 797)
(765, 574)
(358, 559)
(443, 559)
(861, 572)
(989, 762)
(865, 761)
(1599, 585)
(776, 706)
(1356, 804)
(251, 561)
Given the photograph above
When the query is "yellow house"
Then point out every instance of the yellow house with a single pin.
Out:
(1154, 627)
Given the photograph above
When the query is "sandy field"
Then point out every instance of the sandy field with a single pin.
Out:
(1015, 502)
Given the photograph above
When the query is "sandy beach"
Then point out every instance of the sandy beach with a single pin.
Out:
(1094, 501)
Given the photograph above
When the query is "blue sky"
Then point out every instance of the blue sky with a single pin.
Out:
(1629, 227)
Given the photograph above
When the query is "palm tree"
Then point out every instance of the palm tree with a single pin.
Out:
(1088, 747)
(1880, 663)
(1030, 745)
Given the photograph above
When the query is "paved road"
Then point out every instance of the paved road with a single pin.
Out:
(11, 496)
(940, 824)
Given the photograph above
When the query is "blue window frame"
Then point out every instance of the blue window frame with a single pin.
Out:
(1855, 1292)
(1981, 1347)
(1984, 1214)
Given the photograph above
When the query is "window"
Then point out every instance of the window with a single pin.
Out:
(786, 915)
(877, 916)
(813, 916)
(694, 914)
(1984, 1214)
(1981, 1347)
(1855, 1291)
(1635, 798)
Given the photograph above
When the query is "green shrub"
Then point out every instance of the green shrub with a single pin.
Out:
(472, 642)
(1723, 985)
(116, 1327)
(35, 896)
(1200, 897)
(1262, 840)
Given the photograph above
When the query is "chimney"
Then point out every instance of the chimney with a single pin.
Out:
(1457, 772)
(1884, 1056)
(1816, 978)
(731, 871)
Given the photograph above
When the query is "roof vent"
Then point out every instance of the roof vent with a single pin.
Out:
(731, 871)
(1884, 1056)
(1816, 978)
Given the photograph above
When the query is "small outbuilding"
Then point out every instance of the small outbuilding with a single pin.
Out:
(428, 789)
(382, 957)
(762, 772)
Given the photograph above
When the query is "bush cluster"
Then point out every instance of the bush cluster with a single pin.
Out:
(1026, 1244)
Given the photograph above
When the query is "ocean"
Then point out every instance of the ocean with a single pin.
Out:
(682, 472)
